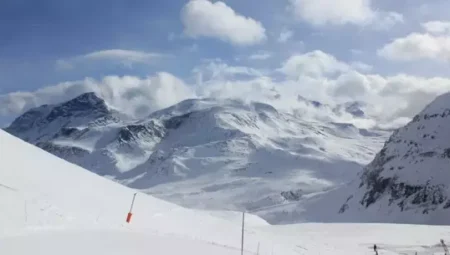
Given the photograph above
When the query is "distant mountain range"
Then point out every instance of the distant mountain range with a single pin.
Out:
(206, 153)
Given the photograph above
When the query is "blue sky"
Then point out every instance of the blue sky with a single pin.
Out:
(49, 42)
(36, 34)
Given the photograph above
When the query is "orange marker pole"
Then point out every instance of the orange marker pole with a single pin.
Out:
(130, 214)
(129, 217)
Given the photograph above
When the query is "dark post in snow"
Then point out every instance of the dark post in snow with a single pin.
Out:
(131, 209)
(445, 247)
(242, 240)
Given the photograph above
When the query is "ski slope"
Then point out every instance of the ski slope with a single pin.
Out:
(52, 205)
(49, 206)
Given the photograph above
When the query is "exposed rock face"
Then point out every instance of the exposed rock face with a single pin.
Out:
(412, 171)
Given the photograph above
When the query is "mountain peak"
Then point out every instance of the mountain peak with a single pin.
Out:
(85, 108)
(87, 101)
(439, 105)
(85, 104)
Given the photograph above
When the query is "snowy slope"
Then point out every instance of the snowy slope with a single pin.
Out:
(391, 239)
(49, 206)
(205, 153)
(46, 200)
(408, 181)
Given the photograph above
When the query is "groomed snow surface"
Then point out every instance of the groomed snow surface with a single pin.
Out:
(51, 207)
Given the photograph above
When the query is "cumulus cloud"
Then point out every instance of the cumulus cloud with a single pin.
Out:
(393, 98)
(433, 44)
(417, 46)
(216, 69)
(386, 20)
(392, 101)
(218, 20)
(316, 63)
(352, 85)
(285, 35)
(314, 75)
(437, 27)
(330, 12)
(124, 57)
(132, 95)
(260, 55)
(363, 67)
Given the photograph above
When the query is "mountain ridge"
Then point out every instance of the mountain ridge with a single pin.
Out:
(244, 155)
(410, 174)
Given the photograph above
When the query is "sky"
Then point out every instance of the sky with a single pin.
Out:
(142, 56)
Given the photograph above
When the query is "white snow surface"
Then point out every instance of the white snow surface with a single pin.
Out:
(218, 154)
(52, 207)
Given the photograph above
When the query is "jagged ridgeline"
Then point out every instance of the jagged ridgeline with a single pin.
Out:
(412, 171)
(219, 154)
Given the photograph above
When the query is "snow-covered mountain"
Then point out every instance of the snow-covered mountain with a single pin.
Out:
(355, 109)
(206, 153)
(409, 179)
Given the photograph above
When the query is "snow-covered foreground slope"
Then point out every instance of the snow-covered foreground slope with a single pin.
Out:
(49, 206)
(209, 154)
(111, 242)
(360, 238)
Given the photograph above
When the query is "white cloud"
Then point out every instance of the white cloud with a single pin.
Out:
(363, 67)
(314, 75)
(418, 46)
(352, 86)
(124, 57)
(323, 12)
(285, 35)
(437, 27)
(132, 95)
(193, 48)
(219, 70)
(356, 51)
(386, 20)
(392, 100)
(217, 20)
(331, 12)
(260, 55)
(315, 63)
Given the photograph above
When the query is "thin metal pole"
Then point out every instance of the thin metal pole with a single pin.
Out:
(242, 240)
(132, 203)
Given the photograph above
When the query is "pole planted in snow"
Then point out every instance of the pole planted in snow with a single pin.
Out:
(131, 209)
(445, 247)
(242, 237)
